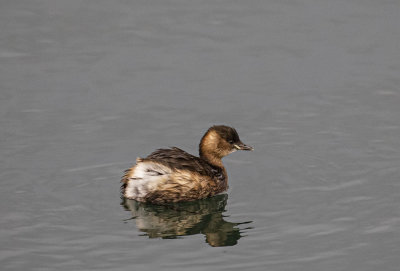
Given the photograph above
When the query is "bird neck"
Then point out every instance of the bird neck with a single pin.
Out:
(211, 159)
(209, 151)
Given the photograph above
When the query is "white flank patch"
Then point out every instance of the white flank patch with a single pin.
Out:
(145, 178)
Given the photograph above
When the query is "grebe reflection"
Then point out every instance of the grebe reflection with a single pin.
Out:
(187, 218)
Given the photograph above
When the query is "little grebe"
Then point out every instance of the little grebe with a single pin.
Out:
(173, 175)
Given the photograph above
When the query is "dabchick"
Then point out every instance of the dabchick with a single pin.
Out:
(173, 175)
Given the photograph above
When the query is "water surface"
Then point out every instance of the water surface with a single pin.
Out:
(87, 86)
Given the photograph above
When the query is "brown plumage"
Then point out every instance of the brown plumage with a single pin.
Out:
(173, 175)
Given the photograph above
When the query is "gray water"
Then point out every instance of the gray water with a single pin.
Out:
(87, 86)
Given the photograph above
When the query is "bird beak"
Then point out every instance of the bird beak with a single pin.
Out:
(243, 147)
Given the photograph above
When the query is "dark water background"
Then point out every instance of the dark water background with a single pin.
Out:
(87, 86)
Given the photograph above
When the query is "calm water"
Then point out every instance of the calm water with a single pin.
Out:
(87, 86)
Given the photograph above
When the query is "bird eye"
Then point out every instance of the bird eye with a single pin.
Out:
(230, 141)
